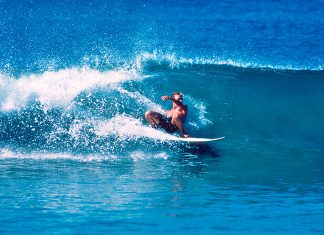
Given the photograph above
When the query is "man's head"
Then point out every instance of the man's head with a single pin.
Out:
(177, 96)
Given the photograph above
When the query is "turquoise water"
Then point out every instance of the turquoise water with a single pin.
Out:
(77, 156)
(192, 194)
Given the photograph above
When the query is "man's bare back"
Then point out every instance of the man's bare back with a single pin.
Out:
(173, 118)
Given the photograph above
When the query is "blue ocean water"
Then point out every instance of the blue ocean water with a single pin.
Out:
(76, 155)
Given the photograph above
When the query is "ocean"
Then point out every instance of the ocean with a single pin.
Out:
(78, 157)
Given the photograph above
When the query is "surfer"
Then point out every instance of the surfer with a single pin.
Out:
(173, 119)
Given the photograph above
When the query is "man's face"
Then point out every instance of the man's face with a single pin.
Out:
(178, 97)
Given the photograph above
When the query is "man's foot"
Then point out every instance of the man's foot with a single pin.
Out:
(185, 135)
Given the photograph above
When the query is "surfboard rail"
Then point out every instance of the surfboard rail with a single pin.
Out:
(196, 139)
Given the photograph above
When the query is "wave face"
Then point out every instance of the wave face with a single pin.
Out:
(102, 112)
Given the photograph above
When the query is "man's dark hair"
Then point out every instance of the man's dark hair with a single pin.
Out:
(176, 93)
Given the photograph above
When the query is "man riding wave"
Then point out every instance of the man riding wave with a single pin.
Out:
(173, 119)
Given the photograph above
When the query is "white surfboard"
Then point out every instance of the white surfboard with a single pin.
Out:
(192, 139)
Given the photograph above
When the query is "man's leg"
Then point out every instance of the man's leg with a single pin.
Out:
(153, 118)
(177, 121)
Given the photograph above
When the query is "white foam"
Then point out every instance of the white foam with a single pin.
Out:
(56, 88)
(129, 127)
(135, 155)
(140, 155)
(175, 61)
(201, 112)
(141, 99)
(9, 154)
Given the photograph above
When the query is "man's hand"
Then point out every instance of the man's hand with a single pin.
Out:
(165, 97)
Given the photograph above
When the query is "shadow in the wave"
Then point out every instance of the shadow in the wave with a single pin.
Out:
(197, 159)
(201, 149)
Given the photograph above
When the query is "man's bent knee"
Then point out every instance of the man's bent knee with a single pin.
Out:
(148, 114)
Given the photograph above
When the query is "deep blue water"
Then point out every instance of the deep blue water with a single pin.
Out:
(76, 155)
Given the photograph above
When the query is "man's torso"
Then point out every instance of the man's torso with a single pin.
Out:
(178, 110)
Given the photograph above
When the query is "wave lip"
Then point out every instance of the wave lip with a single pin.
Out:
(56, 88)
(174, 61)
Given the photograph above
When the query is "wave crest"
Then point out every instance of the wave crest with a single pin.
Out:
(174, 61)
(56, 88)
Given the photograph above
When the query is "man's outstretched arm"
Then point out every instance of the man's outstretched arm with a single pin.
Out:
(179, 103)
